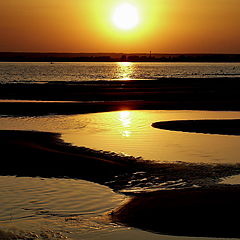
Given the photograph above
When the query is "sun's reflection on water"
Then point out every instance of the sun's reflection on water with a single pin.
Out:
(125, 70)
(125, 117)
(125, 64)
(131, 133)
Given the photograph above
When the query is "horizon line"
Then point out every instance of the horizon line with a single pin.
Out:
(124, 53)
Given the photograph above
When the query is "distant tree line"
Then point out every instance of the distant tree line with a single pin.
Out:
(69, 57)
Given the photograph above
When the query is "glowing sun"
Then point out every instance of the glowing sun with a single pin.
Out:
(126, 16)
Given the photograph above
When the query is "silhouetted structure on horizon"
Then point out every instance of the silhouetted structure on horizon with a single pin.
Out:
(115, 57)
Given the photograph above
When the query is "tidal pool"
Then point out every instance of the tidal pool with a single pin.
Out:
(39, 208)
(131, 133)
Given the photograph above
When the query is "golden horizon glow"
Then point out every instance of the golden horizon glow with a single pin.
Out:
(126, 16)
(160, 26)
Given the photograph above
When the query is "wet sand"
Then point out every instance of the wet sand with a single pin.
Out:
(209, 210)
(175, 211)
(98, 96)
(30, 153)
(198, 212)
(223, 127)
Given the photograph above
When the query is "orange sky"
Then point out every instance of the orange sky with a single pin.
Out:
(166, 26)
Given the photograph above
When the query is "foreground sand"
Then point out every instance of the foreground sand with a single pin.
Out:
(198, 212)
(207, 210)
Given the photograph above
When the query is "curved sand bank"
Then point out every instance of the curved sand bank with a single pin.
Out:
(224, 127)
(197, 212)
(32, 153)
(193, 212)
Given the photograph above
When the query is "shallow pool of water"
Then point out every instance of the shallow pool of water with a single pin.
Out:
(131, 133)
(55, 208)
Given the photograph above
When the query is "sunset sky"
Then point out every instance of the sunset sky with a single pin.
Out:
(162, 26)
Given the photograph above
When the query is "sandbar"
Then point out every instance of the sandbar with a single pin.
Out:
(197, 212)
(219, 126)
(99, 96)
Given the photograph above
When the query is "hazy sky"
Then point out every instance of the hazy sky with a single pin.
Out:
(164, 26)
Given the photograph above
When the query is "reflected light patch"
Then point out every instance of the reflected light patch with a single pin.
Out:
(126, 121)
(126, 78)
(124, 114)
(125, 64)
(125, 70)
(125, 118)
(126, 133)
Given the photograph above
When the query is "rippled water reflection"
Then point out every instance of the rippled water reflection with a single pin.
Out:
(54, 208)
(130, 132)
(90, 71)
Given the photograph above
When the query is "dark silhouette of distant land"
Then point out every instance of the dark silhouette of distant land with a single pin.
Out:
(115, 57)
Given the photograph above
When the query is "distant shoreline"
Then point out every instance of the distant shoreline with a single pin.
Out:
(115, 57)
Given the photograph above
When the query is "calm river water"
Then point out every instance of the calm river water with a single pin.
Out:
(64, 72)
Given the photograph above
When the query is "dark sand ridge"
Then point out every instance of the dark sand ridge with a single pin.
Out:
(164, 89)
(195, 94)
(219, 126)
(198, 212)
(31, 153)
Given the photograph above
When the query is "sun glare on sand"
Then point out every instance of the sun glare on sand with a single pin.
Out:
(126, 16)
